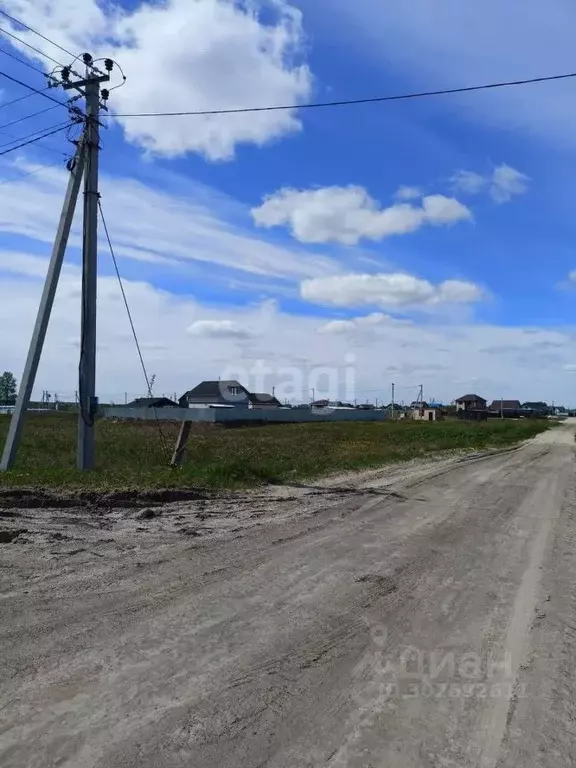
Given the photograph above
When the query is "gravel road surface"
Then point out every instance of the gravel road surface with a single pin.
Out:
(419, 616)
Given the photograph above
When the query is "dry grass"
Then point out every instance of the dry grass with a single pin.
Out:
(130, 454)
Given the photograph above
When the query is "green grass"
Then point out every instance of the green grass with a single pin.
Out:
(130, 455)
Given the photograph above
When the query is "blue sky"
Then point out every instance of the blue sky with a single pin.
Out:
(242, 238)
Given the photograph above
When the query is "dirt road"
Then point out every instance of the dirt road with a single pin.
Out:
(425, 616)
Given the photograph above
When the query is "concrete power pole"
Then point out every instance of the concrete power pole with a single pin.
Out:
(85, 163)
(88, 405)
(392, 410)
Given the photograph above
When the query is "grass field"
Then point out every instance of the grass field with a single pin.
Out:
(131, 455)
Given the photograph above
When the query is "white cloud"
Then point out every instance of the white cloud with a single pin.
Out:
(188, 228)
(386, 290)
(447, 359)
(190, 55)
(570, 367)
(507, 182)
(218, 329)
(572, 276)
(408, 193)
(348, 214)
(469, 182)
(362, 324)
(502, 184)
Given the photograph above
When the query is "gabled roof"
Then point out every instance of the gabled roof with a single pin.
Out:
(507, 405)
(215, 388)
(262, 398)
(469, 399)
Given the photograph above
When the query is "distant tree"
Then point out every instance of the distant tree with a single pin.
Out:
(8, 388)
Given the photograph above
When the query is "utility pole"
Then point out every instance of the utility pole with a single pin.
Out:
(87, 368)
(392, 409)
(85, 163)
(501, 408)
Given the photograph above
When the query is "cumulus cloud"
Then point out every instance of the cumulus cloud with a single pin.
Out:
(348, 214)
(218, 329)
(502, 184)
(189, 55)
(364, 323)
(386, 290)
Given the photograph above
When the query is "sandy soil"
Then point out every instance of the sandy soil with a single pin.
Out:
(422, 615)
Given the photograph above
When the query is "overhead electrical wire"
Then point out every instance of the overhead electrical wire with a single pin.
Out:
(15, 101)
(351, 102)
(35, 32)
(30, 173)
(39, 91)
(34, 140)
(22, 61)
(32, 48)
(15, 139)
(146, 377)
(27, 117)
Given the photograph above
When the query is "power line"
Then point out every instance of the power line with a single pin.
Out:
(27, 117)
(30, 173)
(32, 48)
(148, 385)
(350, 102)
(32, 141)
(31, 88)
(47, 39)
(20, 98)
(35, 133)
(22, 61)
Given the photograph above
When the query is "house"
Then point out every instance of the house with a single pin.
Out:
(511, 409)
(216, 393)
(261, 401)
(423, 412)
(538, 408)
(506, 405)
(470, 403)
(152, 402)
(226, 394)
(334, 404)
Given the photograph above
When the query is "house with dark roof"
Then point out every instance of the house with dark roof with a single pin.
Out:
(538, 408)
(152, 402)
(226, 394)
(470, 403)
(506, 405)
(510, 409)
(216, 393)
(261, 400)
